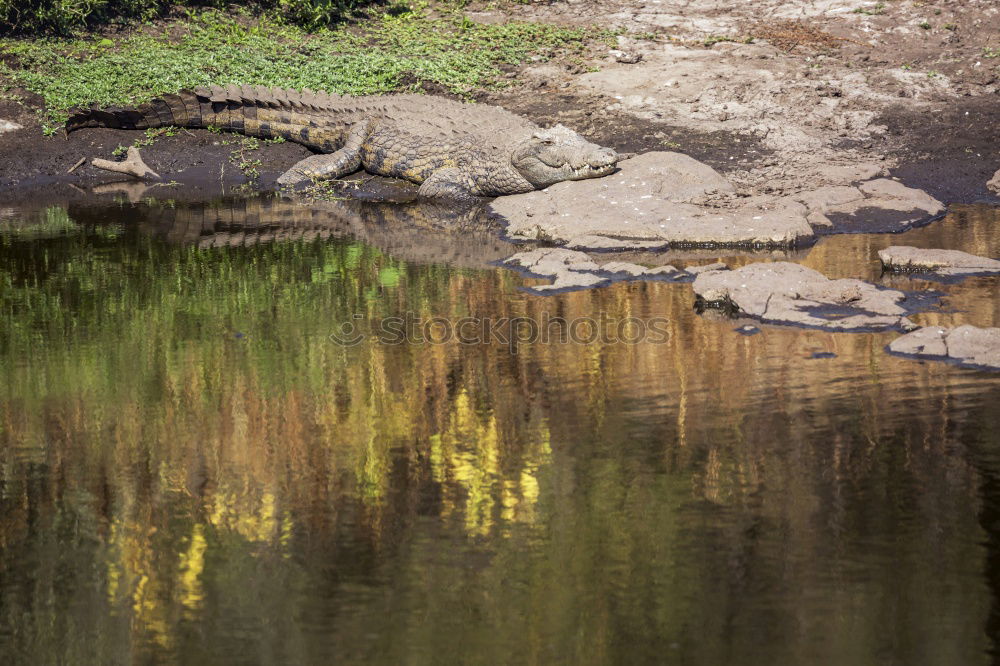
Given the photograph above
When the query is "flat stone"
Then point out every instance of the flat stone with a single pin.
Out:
(994, 183)
(788, 293)
(570, 269)
(572, 280)
(968, 345)
(946, 262)
(822, 199)
(665, 271)
(9, 126)
(717, 266)
(623, 267)
(550, 260)
(850, 173)
(817, 219)
(887, 206)
(646, 204)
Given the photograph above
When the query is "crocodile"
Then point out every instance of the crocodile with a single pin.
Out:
(451, 149)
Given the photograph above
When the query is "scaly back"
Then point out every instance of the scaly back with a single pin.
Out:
(317, 120)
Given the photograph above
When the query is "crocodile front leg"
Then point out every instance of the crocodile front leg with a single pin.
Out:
(333, 165)
(449, 183)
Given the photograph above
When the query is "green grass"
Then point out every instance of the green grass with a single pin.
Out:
(62, 17)
(390, 51)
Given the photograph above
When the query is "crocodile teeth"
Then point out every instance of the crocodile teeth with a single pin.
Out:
(593, 172)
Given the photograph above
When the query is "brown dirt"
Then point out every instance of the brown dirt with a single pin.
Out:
(950, 153)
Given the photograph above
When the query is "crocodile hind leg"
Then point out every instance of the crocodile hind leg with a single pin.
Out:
(333, 165)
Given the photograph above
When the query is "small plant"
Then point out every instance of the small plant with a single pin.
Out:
(249, 165)
(991, 52)
(950, 26)
(877, 10)
(924, 25)
(712, 40)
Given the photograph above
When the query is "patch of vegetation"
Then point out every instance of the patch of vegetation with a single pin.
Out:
(62, 17)
(924, 25)
(877, 10)
(392, 51)
(240, 157)
(989, 52)
(712, 40)
(148, 139)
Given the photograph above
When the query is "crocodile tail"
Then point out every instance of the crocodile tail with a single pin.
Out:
(233, 108)
(161, 112)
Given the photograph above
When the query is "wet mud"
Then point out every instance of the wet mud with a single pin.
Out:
(950, 153)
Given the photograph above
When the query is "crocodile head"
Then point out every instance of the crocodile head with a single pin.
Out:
(557, 154)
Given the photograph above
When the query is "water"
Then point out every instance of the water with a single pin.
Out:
(193, 472)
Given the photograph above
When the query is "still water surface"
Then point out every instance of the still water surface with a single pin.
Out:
(193, 472)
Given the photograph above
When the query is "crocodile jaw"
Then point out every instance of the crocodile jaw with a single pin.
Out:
(557, 154)
(589, 171)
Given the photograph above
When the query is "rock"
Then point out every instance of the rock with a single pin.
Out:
(569, 269)
(886, 206)
(645, 205)
(945, 262)
(575, 270)
(824, 198)
(623, 267)
(666, 271)
(717, 266)
(994, 183)
(787, 293)
(9, 126)
(851, 173)
(626, 57)
(891, 190)
(817, 219)
(968, 345)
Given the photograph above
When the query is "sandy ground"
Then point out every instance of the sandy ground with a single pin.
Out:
(781, 97)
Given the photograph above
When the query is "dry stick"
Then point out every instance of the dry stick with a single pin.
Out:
(77, 165)
(133, 166)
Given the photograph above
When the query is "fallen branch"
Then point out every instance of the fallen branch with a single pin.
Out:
(132, 165)
(77, 165)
